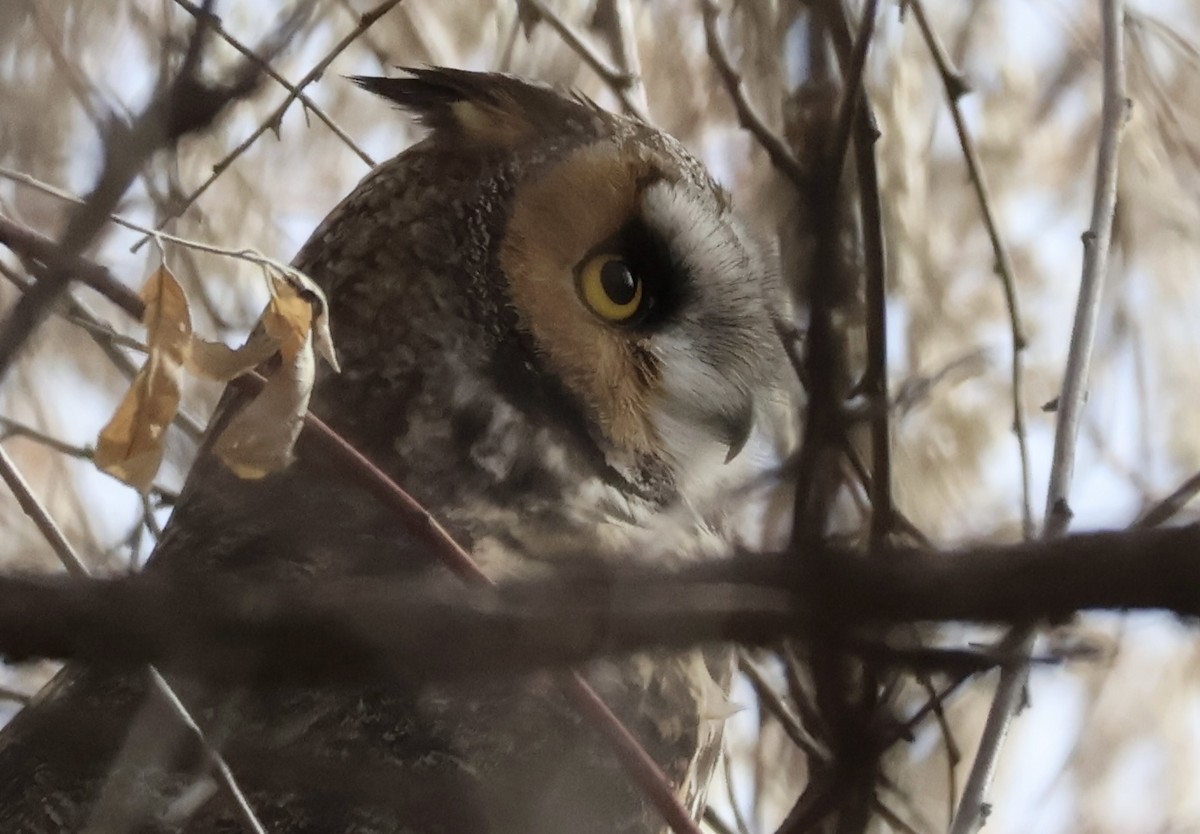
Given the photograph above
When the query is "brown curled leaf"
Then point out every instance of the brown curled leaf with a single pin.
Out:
(289, 316)
(260, 438)
(219, 361)
(130, 446)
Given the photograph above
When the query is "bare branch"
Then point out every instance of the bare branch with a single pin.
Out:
(380, 629)
(296, 92)
(31, 245)
(617, 80)
(75, 566)
(777, 149)
(1096, 243)
(183, 105)
(615, 18)
(365, 22)
(955, 87)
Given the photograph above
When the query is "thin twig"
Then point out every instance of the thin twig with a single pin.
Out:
(616, 80)
(956, 87)
(50, 531)
(749, 118)
(739, 818)
(13, 428)
(246, 254)
(182, 105)
(775, 705)
(1096, 244)
(33, 508)
(1170, 506)
(714, 821)
(365, 22)
(30, 244)
(849, 109)
(296, 92)
(875, 376)
(892, 818)
(615, 18)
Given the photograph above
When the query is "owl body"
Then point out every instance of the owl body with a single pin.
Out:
(554, 333)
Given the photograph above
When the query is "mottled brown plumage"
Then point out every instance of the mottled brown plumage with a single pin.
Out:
(554, 333)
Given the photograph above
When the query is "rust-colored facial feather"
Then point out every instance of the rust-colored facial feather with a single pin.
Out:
(557, 219)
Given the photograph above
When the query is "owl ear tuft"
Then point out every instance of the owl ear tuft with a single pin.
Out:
(485, 109)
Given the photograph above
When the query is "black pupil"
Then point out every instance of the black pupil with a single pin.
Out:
(619, 284)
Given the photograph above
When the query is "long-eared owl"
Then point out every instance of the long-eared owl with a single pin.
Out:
(556, 335)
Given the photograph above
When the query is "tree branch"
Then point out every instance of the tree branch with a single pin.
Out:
(1096, 243)
(378, 629)
(183, 105)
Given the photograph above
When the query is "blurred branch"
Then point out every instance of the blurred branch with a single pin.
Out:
(615, 19)
(12, 428)
(379, 629)
(1096, 244)
(31, 245)
(617, 79)
(77, 569)
(714, 821)
(272, 121)
(749, 118)
(850, 107)
(1167, 508)
(51, 532)
(181, 106)
(15, 695)
(774, 704)
(215, 22)
(955, 88)
(117, 293)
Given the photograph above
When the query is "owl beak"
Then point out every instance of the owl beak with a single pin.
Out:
(735, 426)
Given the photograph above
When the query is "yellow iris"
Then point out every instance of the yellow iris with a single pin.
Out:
(610, 289)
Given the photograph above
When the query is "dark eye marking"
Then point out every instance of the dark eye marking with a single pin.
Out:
(645, 261)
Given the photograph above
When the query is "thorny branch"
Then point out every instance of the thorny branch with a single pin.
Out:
(1096, 245)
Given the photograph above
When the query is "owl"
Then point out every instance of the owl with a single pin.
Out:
(556, 334)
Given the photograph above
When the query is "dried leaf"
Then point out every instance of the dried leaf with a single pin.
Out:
(297, 307)
(289, 318)
(260, 438)
(219, 361)
(130, 447)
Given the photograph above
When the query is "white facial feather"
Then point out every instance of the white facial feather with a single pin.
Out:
(711, 355)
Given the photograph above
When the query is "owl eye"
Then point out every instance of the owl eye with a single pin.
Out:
(610, 289)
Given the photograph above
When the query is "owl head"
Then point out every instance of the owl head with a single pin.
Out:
(618, 292)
